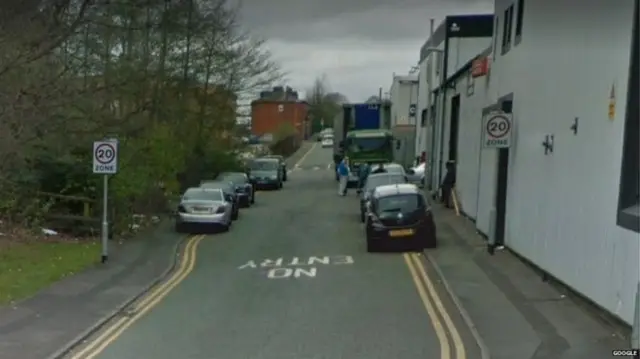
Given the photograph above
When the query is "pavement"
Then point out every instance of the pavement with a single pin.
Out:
(292, 280)
(516, 313)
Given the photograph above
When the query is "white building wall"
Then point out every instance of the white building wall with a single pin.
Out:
(561, 208)
(403, 92)
(463, 49)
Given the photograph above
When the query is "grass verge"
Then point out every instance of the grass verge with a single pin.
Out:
(25, 268)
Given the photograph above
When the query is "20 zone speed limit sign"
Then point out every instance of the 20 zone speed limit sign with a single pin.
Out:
(497, 130)
(105, 157)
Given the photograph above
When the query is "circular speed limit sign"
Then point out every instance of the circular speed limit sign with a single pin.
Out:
(105, 153)
(498, 126)
(497, 130)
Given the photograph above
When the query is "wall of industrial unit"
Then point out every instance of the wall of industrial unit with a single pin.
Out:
(403, 93)
(568, 79)
(464, 37)
(429, 72)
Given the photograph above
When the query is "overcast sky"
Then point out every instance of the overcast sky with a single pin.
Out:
(358, 44)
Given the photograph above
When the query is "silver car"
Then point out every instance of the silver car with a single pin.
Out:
(200, 207)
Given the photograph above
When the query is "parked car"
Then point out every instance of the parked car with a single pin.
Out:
(244, 188)
(265, 173)
(399, 219)
(230, 194)
(416, 175)
(394, 168)
(327, 141)
(283, 165)
(373, 181)
(203, 207)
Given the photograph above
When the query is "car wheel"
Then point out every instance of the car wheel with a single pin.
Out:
(253, 197)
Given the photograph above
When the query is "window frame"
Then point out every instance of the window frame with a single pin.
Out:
(519, 23)
(507, 29)
(628, 216)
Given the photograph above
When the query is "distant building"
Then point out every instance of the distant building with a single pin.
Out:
(277, 108)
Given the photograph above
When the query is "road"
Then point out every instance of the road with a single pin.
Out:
(292, 280)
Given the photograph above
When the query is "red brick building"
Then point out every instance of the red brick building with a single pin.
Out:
(279, 108)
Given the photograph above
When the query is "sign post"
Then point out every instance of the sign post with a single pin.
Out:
(497, 130)
(105, 162)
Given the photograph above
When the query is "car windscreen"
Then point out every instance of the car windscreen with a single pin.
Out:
(380, 180)
(198, 194)
(264, 165)
(233, 177)
(360, 144)
(399, 203)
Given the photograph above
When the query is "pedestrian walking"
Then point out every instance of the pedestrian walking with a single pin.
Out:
(343, 173)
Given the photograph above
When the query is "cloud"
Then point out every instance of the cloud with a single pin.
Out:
(358, 44)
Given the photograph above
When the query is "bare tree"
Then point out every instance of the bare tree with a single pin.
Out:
(324, 105)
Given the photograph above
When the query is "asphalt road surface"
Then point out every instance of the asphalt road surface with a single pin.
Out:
(292, 280)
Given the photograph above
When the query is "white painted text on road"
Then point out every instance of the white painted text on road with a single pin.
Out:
(296, 267)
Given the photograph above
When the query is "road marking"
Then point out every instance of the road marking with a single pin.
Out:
(107, 337)
(445, 349)
(329, 166)
(306, 154)
(316, 168)
(458, 344)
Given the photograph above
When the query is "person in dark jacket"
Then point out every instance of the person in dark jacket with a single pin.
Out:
(448, 183)
(363, 173)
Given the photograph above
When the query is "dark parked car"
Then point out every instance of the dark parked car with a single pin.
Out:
(230, 194)
(373, 181)
(283, 165)
(244, 189)
(399, 219)
(265, 173)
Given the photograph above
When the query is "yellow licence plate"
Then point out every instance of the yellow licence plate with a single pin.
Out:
(401, 233)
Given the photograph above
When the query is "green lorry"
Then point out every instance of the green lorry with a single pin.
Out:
(362, 134)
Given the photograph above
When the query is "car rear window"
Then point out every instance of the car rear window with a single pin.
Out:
(380, 180)
(234, 177)
(400, 203)
(197, 194)
(268, 165)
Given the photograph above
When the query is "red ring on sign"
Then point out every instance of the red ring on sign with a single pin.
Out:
(506, 131)
(100, 147)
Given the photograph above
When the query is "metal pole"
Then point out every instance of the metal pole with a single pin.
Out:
(491, 240)
(430, 124)
(105, 219)
(635, 333)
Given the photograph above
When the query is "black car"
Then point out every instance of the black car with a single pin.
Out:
(373, 181)
(229, 190)
(283, 165)
(265, 173)
(244, 189)
(399, 219)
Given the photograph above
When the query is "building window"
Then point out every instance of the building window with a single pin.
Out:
(519, 18)
(629, 197)
(506, 29)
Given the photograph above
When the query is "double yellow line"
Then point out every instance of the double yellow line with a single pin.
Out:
(152, 299)
(444, 327)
